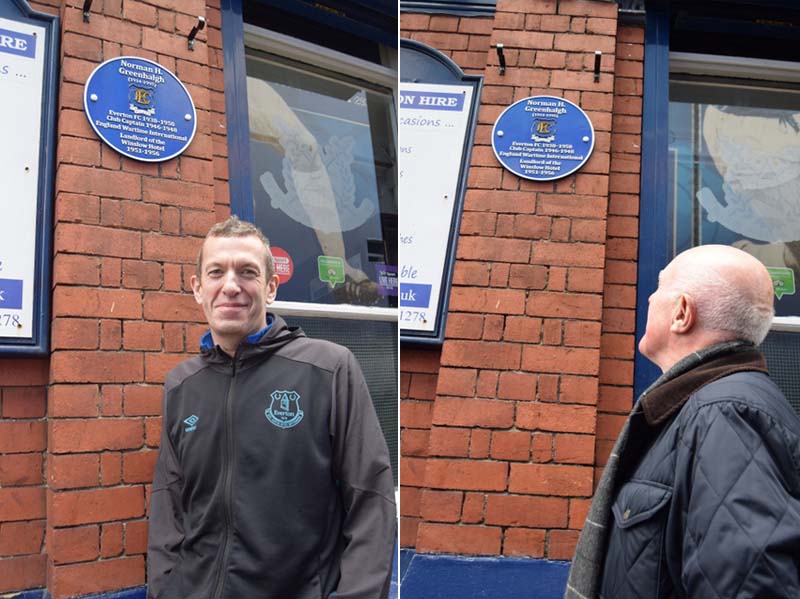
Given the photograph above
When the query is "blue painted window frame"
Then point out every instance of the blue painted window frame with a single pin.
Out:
(236, 109)
(39, 342)
(653, 208)
(237, 120)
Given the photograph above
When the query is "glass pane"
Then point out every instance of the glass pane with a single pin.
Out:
(324, 182)
(734, 171)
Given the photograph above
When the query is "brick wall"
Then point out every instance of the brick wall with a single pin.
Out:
(617, 344)
(23, 441)
(420, 369)
(126, 235)
(539, 334)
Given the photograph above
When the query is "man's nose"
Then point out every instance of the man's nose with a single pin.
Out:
(231, 284)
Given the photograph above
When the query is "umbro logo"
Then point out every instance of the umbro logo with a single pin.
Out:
(191, 423)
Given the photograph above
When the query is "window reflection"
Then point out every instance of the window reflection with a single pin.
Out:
(323, 180)
(735, 175)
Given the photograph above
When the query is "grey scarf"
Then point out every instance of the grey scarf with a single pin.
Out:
(587, 565)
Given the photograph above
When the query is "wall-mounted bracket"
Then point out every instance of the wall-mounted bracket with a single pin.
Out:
(87, 6)
(597, 56)
(201, 22)
(501, 58)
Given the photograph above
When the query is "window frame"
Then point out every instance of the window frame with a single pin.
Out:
(654, 245)
(237, 37)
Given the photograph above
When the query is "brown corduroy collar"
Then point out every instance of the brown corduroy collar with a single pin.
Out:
(661, 402)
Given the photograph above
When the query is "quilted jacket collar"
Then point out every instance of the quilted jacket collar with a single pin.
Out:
(672, 390)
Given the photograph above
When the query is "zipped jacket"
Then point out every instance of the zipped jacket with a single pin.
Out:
(273, 479)
(707, 503)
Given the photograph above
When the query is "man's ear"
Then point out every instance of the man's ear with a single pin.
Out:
(684, 315)
(198, 297)
(272, 289)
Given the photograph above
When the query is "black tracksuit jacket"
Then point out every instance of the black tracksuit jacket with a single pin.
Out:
(273, 479)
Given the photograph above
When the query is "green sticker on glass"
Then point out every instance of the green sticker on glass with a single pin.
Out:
(331, 270)
(782, 281)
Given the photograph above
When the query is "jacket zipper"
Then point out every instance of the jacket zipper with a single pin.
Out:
(228, 465)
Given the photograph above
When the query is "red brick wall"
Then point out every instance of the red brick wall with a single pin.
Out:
(126, 235)
(420, 369)
(544, 288)
(23, 441)
(618, 342)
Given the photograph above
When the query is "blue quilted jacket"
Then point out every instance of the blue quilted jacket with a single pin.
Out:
(708, 503)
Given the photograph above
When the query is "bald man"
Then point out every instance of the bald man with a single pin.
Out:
(700, 498)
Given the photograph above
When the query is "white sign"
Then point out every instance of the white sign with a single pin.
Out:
(21, 79)
(433, 126)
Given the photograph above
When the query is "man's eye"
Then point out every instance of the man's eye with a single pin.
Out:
(249, 272)
(214, 272)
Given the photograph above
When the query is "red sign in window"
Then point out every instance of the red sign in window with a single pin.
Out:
(284, 267)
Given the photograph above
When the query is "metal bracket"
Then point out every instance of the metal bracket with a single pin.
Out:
(597, 56)
(87, 6)
(501, 57)
(201, 22)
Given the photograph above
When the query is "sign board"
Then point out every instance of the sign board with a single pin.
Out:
(140, 109)
(27, 105)
(434, 120)
(543, 138)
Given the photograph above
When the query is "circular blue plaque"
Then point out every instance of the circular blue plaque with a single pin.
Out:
(140, 109)
(543, 138)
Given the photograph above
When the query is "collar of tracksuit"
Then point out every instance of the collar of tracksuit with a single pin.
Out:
(207, 342)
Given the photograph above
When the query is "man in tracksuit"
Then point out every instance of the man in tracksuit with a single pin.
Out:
(273, 478)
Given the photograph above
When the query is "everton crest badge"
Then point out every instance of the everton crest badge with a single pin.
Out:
(142, 99)
(543, 129)
(284, 409)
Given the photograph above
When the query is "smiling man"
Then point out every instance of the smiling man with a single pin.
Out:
(273, 478)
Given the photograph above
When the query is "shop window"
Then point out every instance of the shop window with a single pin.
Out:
(734, 177)
(323, 176)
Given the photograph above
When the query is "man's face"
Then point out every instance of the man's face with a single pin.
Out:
(233, 287)
(659, 319)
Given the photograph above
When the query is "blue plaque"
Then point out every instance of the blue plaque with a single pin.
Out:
(140, 109)
(543, 138)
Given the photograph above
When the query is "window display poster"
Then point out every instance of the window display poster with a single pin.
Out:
(22, 64)
(433, 125)
(315, 191)
(735, 179)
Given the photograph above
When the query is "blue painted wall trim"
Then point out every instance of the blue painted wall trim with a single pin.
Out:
(237, 119)
(654, 217)
(447, 576)
(133, 593)
(141, 592)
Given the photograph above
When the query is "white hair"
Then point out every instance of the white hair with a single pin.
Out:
(723, 306)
